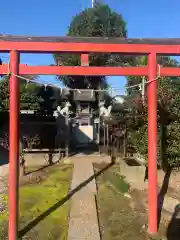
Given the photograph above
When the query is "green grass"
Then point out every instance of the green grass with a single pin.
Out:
(37, 198)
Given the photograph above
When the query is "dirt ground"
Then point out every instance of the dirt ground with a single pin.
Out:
(43, 211)
(122, 214)
(121, 209)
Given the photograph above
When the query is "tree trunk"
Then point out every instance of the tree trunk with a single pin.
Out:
(114, 151)
(163, 148)
(50, 159)
(125, 143)
(107, 135)
(104, 128)
(22, 169)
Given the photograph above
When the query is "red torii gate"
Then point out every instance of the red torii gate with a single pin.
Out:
(151, 47)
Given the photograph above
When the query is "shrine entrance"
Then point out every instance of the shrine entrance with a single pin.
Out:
(16, 45)
(83, 124)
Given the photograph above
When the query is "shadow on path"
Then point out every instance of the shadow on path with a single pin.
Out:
(162, 194)
(173, 231)
(42, 168)
(4, 156)
(41, 217)
(87, 149)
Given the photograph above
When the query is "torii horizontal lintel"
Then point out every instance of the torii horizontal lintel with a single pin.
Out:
(89, 71)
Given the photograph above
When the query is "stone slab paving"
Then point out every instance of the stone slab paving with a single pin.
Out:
(83, 223)
(4, 170)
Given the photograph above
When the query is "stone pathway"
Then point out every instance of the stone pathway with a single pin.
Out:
(83, 223)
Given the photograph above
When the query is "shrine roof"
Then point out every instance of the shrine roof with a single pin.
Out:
(104, 40)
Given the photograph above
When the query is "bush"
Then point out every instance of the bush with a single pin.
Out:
(168, 124)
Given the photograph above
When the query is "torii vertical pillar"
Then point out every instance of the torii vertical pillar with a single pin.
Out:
(14, 146)
(152, 145)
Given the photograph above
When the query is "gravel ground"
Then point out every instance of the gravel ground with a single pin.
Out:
(3, 185)
(3, 189)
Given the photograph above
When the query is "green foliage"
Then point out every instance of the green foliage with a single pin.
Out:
(99, 21)
(134, 80)
(169, 119)
(29, 99)
(4, 94)
(168, 115)
(48, 100)
(173, 143)
(140, 140)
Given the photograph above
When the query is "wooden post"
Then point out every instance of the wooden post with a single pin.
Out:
(104, 128)
(152, 145)
(67, 139)
(99, 124)
(14, 147)
(107, 134)
(125, 141)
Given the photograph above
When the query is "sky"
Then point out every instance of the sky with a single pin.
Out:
(150, 18)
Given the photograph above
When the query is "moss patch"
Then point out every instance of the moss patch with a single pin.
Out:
(118, 182)
(42, 213)
(112, 177)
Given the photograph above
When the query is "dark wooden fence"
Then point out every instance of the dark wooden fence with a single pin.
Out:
(36, 132)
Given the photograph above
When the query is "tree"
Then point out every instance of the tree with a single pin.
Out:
(100, 21)
(49, 101)
(168, 104)
(29, 99)
(4, 94)
(0, 64)
(26, 141)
